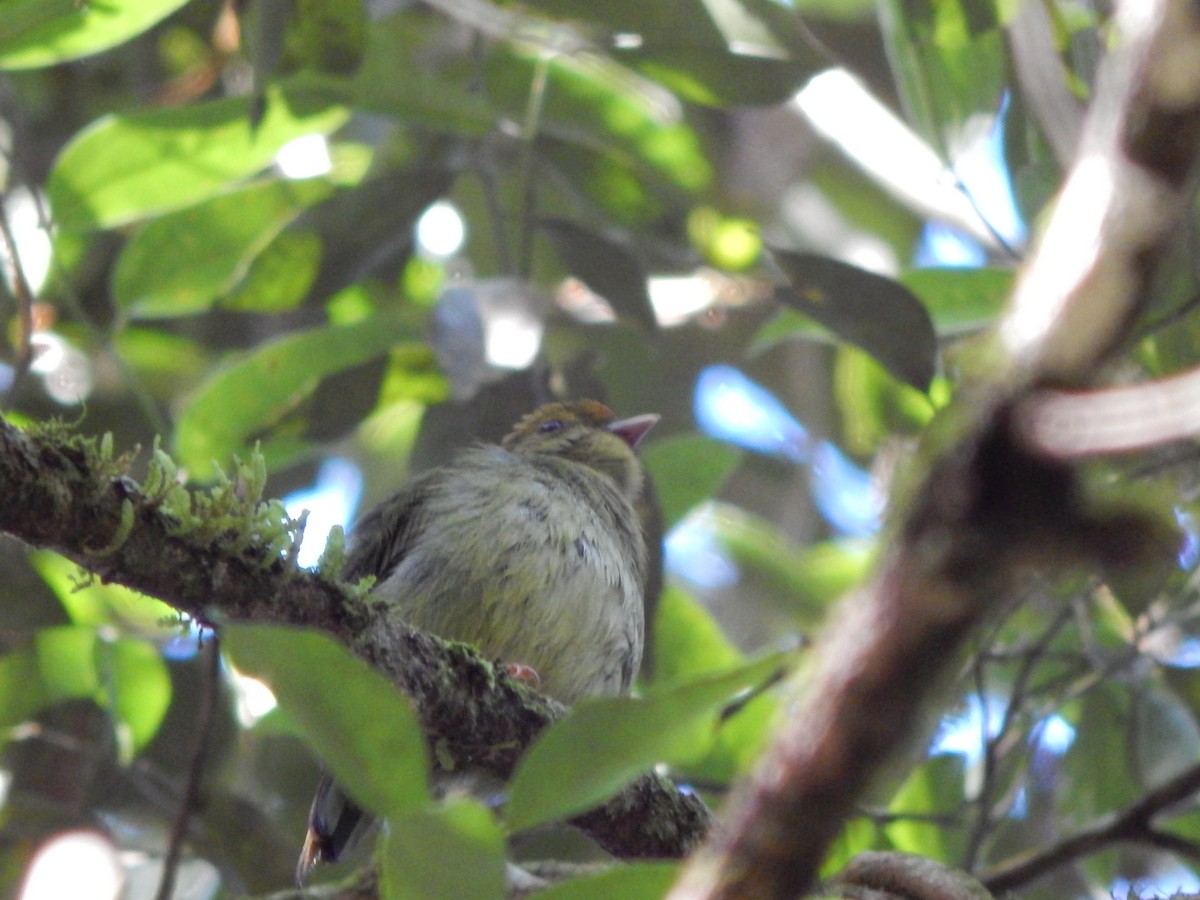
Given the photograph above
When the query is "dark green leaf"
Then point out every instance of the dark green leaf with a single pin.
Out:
(362, 727)
(606, 265)
(721, 79)
(125, 167)
(870, 311)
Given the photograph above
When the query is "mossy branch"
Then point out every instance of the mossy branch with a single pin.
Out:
(225, 554)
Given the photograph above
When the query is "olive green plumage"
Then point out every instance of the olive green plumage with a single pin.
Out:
(530, 550)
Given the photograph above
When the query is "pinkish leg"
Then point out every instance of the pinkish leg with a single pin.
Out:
(524, 673)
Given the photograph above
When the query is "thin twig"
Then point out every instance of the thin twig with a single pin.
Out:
(529, 132)
(191, 795)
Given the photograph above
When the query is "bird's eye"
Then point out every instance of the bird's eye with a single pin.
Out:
(552, 425)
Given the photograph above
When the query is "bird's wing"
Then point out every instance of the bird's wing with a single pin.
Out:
(381, 539)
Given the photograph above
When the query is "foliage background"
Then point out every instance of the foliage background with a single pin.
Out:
(197, 293)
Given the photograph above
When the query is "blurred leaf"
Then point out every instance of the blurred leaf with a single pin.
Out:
(634, 881)
(607, 266)
(454, 850)
(1100, 720)
(245, 398)
(935, 788)
(688, 640)
(407, 74)
(808, 579)
(582, 760)
(37, 33)
(362, 727)
(687, 470)
(279, 277)
(126, 676)
(125, 167)
(608, 117)
(722, 79)
(21, 690)
(219, 239)
(325, 35)
(859, 834)
(961, 300)
(875, 408)
(166, 363)
(1164, 735)
(90, 602)
(872, 312)
(716, 52)
(739, 742)
(138, 688)
(67, 660)
(949, 62)
(689, 643)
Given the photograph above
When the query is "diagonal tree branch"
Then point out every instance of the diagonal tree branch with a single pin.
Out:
(983, 505)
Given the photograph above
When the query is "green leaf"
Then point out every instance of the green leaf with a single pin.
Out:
(948, 60)
(637, 881)
(37, 33)
(453, 850)
(1101, 720)
(584, 759)
(21, 691)
(279, 277)
(722, 79)
(960, 300)
(138, 688)
(935, 788)
(870, 311)
(89, 602)
(406, 74)
(67, 659)
(248, 396)
(809, 579)
(125, 167)
(687, 470)
(689, 643)
(360, 725)
(688, 640)
(219, 238)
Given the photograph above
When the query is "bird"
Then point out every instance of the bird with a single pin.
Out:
(531, 549)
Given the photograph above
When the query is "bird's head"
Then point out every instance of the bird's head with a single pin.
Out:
(586, 432)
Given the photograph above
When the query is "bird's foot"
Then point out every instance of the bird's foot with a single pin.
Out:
(524, 673)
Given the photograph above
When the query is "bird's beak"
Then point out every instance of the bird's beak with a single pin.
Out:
(633, 429)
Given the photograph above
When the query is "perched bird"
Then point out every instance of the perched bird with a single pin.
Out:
(531, 550)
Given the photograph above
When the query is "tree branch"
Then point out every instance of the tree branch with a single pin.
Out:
(985, 505)
(63, 494)
(1134, 824)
